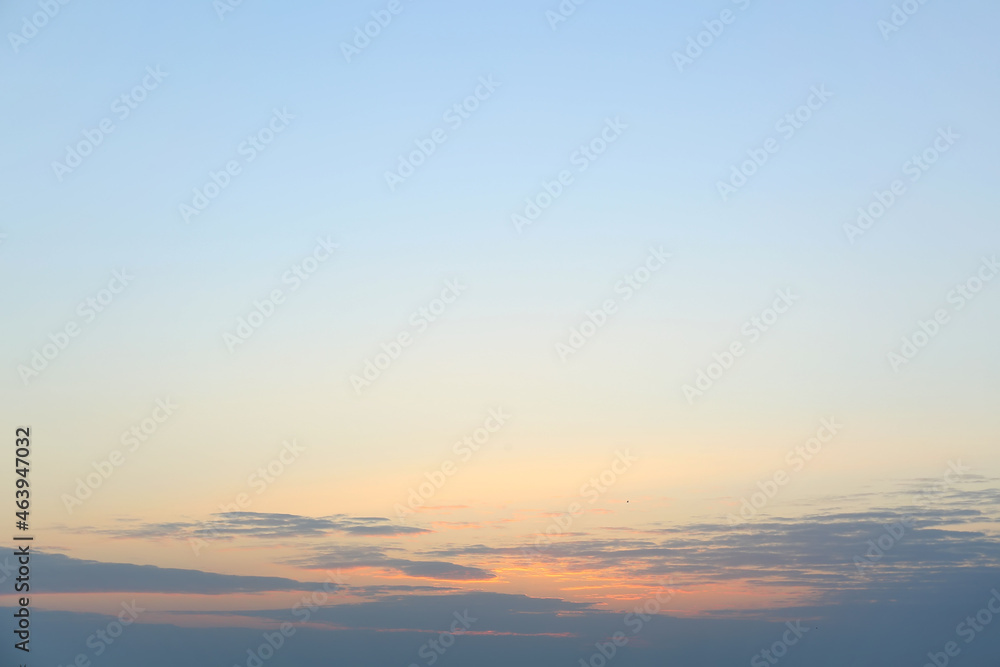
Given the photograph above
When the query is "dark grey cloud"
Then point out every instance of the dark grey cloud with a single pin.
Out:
(58, 573)
(533, 632)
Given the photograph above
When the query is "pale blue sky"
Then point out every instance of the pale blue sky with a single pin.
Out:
(657, 184)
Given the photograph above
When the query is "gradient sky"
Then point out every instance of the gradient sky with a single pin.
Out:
(218, 577)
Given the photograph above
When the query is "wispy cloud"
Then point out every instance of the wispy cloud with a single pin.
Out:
(347, 558)
(227, 525)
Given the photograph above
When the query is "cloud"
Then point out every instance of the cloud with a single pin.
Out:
(494, 612)
(258, 525)
(537, 632)
(58, 573)
(833, 556)
(347, 558)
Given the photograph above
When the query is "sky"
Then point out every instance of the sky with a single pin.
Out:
(366, 319)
